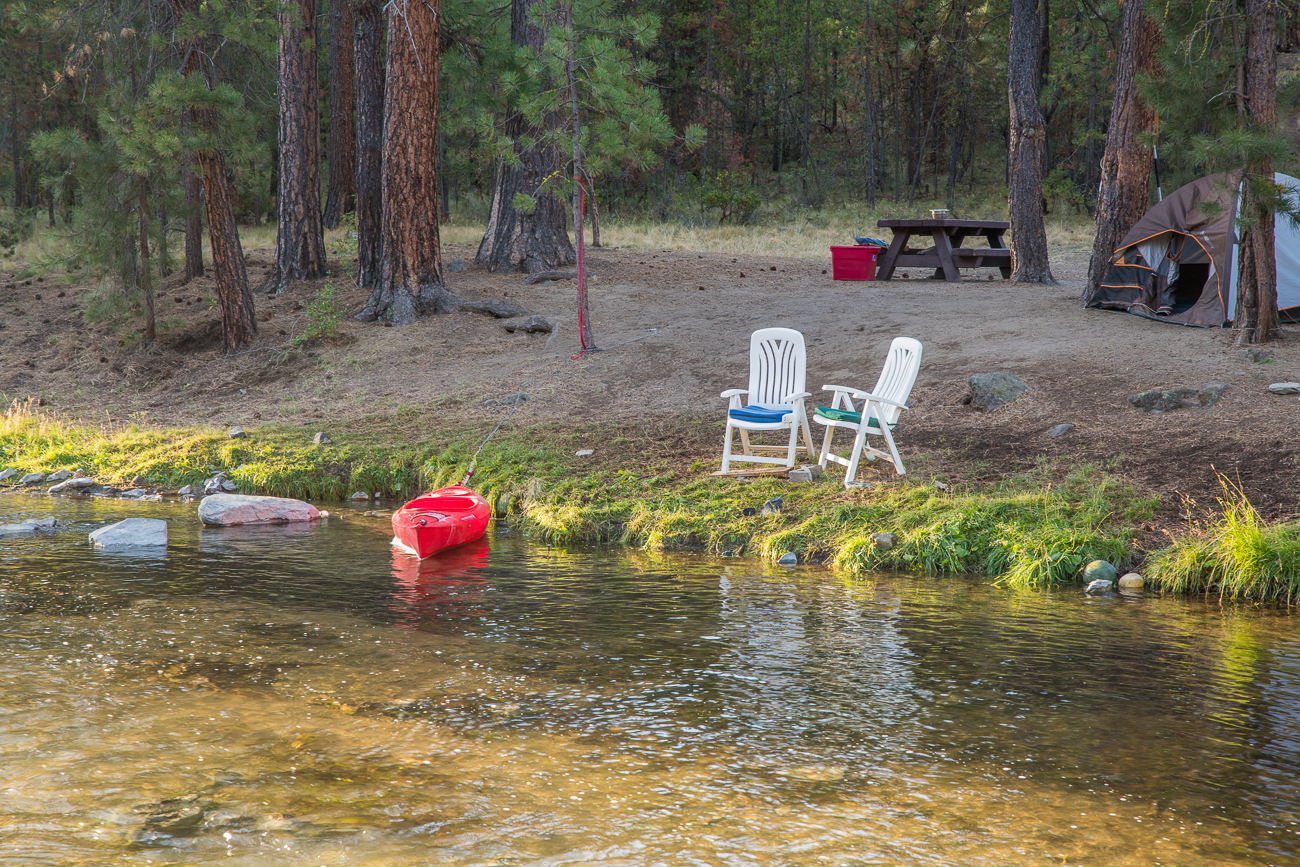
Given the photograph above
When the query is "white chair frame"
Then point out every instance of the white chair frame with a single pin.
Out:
(884, 404)
(778, 365)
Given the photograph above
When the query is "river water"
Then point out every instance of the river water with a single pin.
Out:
(303, 695)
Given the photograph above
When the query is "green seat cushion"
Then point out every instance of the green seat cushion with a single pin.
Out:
(844, 415)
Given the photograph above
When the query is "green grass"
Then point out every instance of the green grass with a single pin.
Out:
(1240, 556)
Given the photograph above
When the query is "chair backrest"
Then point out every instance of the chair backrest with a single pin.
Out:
(899, 374)
(778, 365)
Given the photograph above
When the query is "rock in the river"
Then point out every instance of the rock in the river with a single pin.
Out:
(359, 495)
(229, 487)
(1099, 570)
(1285, 388)
(1097, 588)
(1131, 581)
(772, 507)
(1158, 400)
(991, 390)
(7, 474)
(531, 325)
(59, 488)
(1059, 430)
(237, 433)
(133, 494)
(31, 525)
(32, 479)
(81, 482)
(884, 541)
(321, 438)
(789, 558)
(225, 510)
(132, 533)
(456, 266)
(187, 491)
(59, 476)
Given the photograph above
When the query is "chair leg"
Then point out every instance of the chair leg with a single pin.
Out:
(726, 449)
(893, 450)
(794, 445)
(826, 446)
(859, 440)
(744, 441)
(807, 436)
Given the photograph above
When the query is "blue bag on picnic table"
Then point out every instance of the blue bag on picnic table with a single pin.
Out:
(871, 242)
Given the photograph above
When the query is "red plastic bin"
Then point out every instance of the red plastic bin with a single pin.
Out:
(856, 262)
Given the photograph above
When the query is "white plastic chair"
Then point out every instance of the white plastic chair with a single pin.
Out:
(884, 403)
(777, 369)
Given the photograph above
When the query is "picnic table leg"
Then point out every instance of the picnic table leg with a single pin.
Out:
(947, 269)
(996, 243)
(886, 269)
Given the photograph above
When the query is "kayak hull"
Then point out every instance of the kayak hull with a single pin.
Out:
(439, 520)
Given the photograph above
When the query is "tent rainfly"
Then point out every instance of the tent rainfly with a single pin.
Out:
(1179, 263)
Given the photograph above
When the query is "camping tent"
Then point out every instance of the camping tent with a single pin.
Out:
(1179, 263)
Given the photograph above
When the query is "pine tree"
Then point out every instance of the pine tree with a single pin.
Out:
(300, 234)
(342, 151)
(1028, 144)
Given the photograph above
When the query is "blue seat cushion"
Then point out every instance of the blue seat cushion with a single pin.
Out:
(759, 414)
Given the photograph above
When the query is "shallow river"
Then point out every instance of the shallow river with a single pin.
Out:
(305, 696)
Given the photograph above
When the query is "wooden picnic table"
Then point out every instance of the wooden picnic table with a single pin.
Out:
(948, 253)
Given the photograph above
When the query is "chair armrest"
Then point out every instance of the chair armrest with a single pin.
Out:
(735, 392)
(843, 388)
(866, 395)
(796, 396)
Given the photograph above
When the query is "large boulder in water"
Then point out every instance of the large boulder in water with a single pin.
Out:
(228, 510)
(132, 533)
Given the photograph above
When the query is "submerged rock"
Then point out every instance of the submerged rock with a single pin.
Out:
(1097, 588)
(31, 525)
(789, 558)
(132, 533)
(226, 510)
(991, 390)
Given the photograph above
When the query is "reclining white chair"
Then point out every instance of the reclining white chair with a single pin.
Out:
(879, 412)
(777, 370)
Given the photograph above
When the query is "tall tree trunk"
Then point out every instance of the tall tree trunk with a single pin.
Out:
(145, 274)
(13, 144)
(1125, 189)
(342, 148)
(410, 272)
(869, 118)
(1028, 140)
(1256, 319)
(193, 221)
(587, 339)
(367, 42)
(517, 240)
(238, 322)
(300, 236)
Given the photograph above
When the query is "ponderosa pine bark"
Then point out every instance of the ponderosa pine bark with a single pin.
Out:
(514, 239)
(410, 271)
(300, 234)
(342, 149)
(367, 43)
(1256, 319)
(1125, 190)
(1028, 144)
(238, 320)
(193, 221)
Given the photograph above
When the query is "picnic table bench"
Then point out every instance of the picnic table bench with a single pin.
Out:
(948, 253)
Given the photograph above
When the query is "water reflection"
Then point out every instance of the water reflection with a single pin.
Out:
(309, 696)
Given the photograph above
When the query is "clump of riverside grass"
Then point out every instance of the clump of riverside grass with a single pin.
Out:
(1240, 556)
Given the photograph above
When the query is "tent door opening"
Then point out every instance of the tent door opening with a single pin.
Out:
(1186, 289)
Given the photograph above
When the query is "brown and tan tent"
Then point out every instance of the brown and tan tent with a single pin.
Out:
(1179, 263)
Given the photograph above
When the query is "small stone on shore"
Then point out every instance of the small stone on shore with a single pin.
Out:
(789, 558)
(1097, 588)
(1131, 581)
(322, 438)
(32, 479)
(884, 541)
(1099, 570)
(237, 433)
(60, 476)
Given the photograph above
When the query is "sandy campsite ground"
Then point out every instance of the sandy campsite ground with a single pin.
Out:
(1080, 364)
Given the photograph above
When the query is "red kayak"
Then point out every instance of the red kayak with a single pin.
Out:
(440, 520)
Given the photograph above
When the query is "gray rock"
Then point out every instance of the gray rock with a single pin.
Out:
(456, 266)
(789, 558)
(772, 507)
(226, 510)
(32, 525)
(800, 474)
(941, 486)
(229, 487)
(1285, 388)
(1258, 356)
(991, 390)
(884, 541)
(1131, 581)
(79, 474)
(1097, 588)
(322, 438)
(81, 482)
(1164, 400)
(59, 488)
(1059, 430)
(359, 495)
(59, 476)
(237, 433)
(1099, 569)
(7, 474)
(132, 533)
(32, 479)
(584, 453)
(815, 469)
(187, 491)
(133, 493)
(531, 325)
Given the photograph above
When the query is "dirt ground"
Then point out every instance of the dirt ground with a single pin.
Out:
(675, 326)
